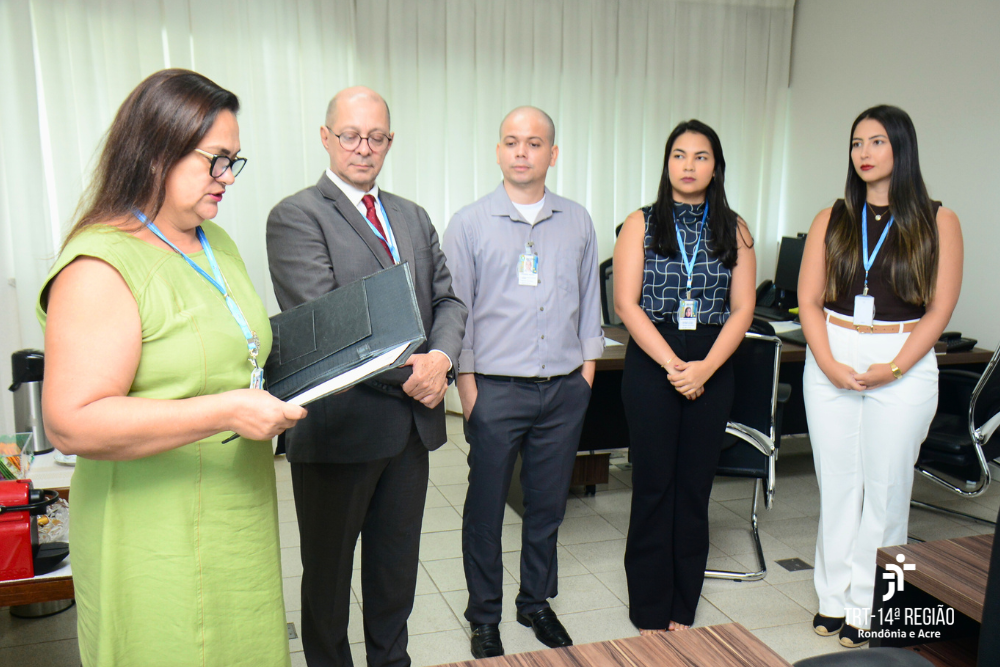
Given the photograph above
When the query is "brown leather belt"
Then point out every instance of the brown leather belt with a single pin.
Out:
(902, 327)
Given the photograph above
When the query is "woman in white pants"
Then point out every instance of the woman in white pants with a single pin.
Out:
(880, 277)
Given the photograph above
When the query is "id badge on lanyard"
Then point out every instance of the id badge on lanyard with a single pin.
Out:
(864, 304)
(687, 308)
(864, 310)
(527, 266)
(687, 314)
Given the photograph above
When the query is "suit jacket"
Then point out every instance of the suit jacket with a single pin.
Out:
(316, 241)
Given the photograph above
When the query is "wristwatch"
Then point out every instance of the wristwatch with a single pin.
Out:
(896, 373)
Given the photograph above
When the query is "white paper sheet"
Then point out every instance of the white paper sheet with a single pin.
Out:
(373, 365)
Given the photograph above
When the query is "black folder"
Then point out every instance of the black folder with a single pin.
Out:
(344, 337)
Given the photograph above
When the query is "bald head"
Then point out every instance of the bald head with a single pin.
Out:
(348, 95)
(354, 119)
(526, 151)
(530, 113)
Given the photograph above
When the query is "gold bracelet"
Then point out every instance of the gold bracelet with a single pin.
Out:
(896, 373)
(664, 365)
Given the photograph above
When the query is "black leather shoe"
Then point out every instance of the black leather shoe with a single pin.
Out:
(547, 627)
(486, 640)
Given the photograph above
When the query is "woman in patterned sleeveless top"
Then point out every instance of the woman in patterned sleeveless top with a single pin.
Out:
(684, 288)
(880, 277)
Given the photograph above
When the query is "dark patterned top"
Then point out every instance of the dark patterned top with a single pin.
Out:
(664, 281)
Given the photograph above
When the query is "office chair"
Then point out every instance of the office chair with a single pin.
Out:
(872, 657)
(958, 445)
(754, 429)
(989, 633)
(606, 280)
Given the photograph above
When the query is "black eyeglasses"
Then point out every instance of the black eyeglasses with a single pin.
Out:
(350, 140)
(219, 164)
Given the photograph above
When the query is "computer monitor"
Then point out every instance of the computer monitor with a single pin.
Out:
(786, 274)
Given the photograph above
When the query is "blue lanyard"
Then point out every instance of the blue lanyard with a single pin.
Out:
(689, 263)
(219, 283)
(391, 241)
(869, 260)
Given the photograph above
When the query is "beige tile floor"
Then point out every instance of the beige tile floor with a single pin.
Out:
(592, 600)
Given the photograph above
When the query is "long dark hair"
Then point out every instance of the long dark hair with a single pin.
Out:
(160, 122)
(913, 257)
(721, 218)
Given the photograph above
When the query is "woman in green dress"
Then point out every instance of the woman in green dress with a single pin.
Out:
(153, 339)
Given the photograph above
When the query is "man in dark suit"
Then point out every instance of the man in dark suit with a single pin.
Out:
(359, 460)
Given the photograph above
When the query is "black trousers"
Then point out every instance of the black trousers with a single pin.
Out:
(543, 423)
(382, 500)
(675, 446)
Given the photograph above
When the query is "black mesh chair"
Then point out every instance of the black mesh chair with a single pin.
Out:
(958, 451)
(750, 449)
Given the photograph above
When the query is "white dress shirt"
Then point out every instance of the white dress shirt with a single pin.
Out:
(355, 196)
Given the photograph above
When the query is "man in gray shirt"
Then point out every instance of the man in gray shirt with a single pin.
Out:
(524, 261)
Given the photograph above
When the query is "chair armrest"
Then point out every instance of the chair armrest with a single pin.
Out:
(765, 446)
(763, 443)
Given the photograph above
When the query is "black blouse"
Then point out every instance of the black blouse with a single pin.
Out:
(888, 306)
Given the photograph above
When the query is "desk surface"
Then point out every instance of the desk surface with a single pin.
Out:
(729, 645)
(953, 571)
(614, 357)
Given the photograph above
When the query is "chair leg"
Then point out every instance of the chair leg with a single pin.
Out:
(762, 564)
(945, 510)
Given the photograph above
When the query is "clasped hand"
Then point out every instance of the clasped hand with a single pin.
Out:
(843, 376)
(430, 377)
(689, 377)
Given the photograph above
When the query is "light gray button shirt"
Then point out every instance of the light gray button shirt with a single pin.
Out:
(520, 330)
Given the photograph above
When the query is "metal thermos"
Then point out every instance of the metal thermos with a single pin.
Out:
(28, 369)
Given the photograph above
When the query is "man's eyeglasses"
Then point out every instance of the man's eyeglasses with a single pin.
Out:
(350, 140)
(219, 164)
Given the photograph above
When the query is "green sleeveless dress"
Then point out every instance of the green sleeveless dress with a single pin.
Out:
(175, 556)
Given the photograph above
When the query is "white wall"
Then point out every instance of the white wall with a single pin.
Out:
(937, 60)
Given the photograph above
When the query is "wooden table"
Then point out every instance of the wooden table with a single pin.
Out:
(947, 572)
(605, 427)
(605, 421)
(39, 589)
(791, 353)
(729, 645)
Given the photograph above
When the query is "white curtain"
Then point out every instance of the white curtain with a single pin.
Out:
(616, 76)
